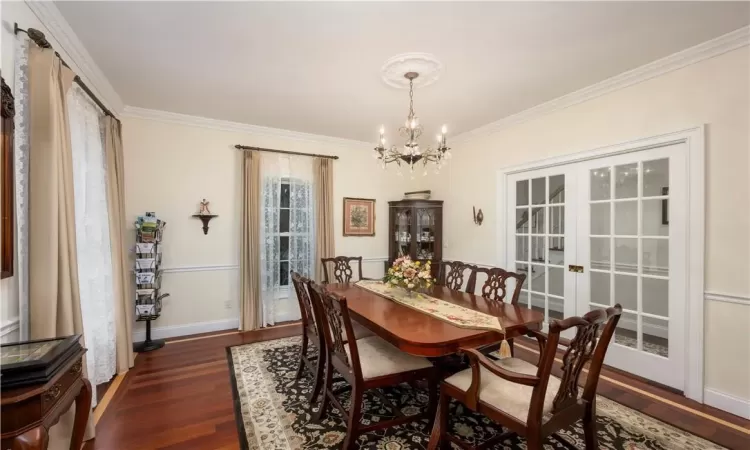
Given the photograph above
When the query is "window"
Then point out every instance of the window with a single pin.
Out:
(284, 212)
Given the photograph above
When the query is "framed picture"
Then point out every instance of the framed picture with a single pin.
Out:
(359, 216)
(6, 190)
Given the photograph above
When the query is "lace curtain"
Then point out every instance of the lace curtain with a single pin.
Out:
(92, 236)
(21, 165)
(287, 233)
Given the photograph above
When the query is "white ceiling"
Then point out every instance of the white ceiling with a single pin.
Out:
(315, 67)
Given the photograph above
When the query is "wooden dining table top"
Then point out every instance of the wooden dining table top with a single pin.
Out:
(420, 334)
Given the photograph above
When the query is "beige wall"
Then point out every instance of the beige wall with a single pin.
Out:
(170, 168)
(713, 92)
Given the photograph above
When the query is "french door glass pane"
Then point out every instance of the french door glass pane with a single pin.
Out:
(522, 193)
(627, 330)
(556, 277)
(626, 291)
(655, 256)
(537, 220)
(537, 302)
(655, 296)
(524, 269)
(600, 218)
(556, 308)
(557, 189)
(556, 220)
(626, 218)
(655, 177)
(653, 218)
(600, 258)
(600, 288)
(538, 277)
(539, 191)
(655, 336)
(557, 251)
(522, 248)
(522, 220)
(626, 181)
(537, 248)
(626, 255)
(600, 184)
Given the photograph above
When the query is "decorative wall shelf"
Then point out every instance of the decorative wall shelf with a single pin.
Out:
(205, 218)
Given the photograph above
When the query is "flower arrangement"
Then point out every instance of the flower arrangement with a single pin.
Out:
(408, 274)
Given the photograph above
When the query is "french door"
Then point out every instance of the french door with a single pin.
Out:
(603, 231)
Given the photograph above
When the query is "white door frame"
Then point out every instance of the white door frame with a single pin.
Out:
(694, 138)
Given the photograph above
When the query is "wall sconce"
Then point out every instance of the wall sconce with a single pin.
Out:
(205, 215)
(478, 216)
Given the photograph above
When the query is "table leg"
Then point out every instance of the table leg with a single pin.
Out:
(435, 434)
(83, 409)
(34, 439)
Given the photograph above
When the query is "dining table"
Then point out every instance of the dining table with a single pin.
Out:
(421, 334)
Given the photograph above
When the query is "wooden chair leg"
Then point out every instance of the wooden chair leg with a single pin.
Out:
(512, 348)
(445, 443)
(534, 441)
(433, 386)
(589, 427)
(319, 366)
(352, 428)
(327, 386)
(302, 356)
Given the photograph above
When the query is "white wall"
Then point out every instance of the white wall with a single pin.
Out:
(713, 92)
(170, 167)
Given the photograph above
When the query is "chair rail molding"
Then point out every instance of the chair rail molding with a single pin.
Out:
(714, 47)
(218, 267)
(60, 30)
(727, 298)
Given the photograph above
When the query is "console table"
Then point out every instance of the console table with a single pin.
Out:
(40, 382)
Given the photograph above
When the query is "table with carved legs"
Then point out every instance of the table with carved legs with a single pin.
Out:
(30, 411)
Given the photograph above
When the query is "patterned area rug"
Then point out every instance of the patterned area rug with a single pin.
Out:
(272, 412)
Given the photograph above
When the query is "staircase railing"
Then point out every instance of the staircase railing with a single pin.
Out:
(557, 219)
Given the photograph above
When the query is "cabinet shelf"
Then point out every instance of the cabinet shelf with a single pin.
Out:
(416, 228)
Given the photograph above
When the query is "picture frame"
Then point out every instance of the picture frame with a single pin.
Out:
(7, 194)
(359, 216)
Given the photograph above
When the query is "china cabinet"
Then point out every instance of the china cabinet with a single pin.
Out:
(415, 229)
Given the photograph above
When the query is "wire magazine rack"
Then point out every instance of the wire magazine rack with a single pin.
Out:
(148, 295)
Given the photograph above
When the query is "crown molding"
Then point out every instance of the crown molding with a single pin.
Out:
(225, 125)
(675, 61)
(61, 31)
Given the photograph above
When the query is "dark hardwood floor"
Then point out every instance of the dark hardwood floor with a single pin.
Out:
(179, 397)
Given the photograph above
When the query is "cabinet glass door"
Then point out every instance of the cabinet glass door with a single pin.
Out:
(425, 233)
(402, 228)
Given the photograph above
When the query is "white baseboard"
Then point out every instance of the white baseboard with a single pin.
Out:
(727, 402)
(171, 331)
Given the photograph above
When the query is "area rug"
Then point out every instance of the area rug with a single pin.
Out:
(272, 412)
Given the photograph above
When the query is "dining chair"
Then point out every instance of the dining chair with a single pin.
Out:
(495, 290)
(367, 364)
(311, 332)
(451, 274)
(342, 268)
(525, 398)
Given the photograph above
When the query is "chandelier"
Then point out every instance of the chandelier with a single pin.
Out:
(411, 153)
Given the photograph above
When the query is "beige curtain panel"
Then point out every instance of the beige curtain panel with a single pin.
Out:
(250, 300)
(54, 299)
(323, 185)
(121, 283)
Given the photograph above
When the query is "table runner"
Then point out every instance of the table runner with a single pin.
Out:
(440, 309)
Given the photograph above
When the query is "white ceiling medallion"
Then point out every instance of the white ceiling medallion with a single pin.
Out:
(425, 64)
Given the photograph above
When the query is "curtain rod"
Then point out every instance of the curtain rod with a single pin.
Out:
(245, 147)
(38, 38)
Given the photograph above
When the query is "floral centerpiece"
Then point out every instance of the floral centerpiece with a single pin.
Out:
(408, 274)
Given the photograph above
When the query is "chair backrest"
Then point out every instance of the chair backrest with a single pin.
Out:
(451, 274)
(495, 287)
(338, 331)
(342, 269)
(582, 348)
(307, 309)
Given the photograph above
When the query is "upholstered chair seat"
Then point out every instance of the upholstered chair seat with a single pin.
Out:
(512, 398)
(379, 358)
